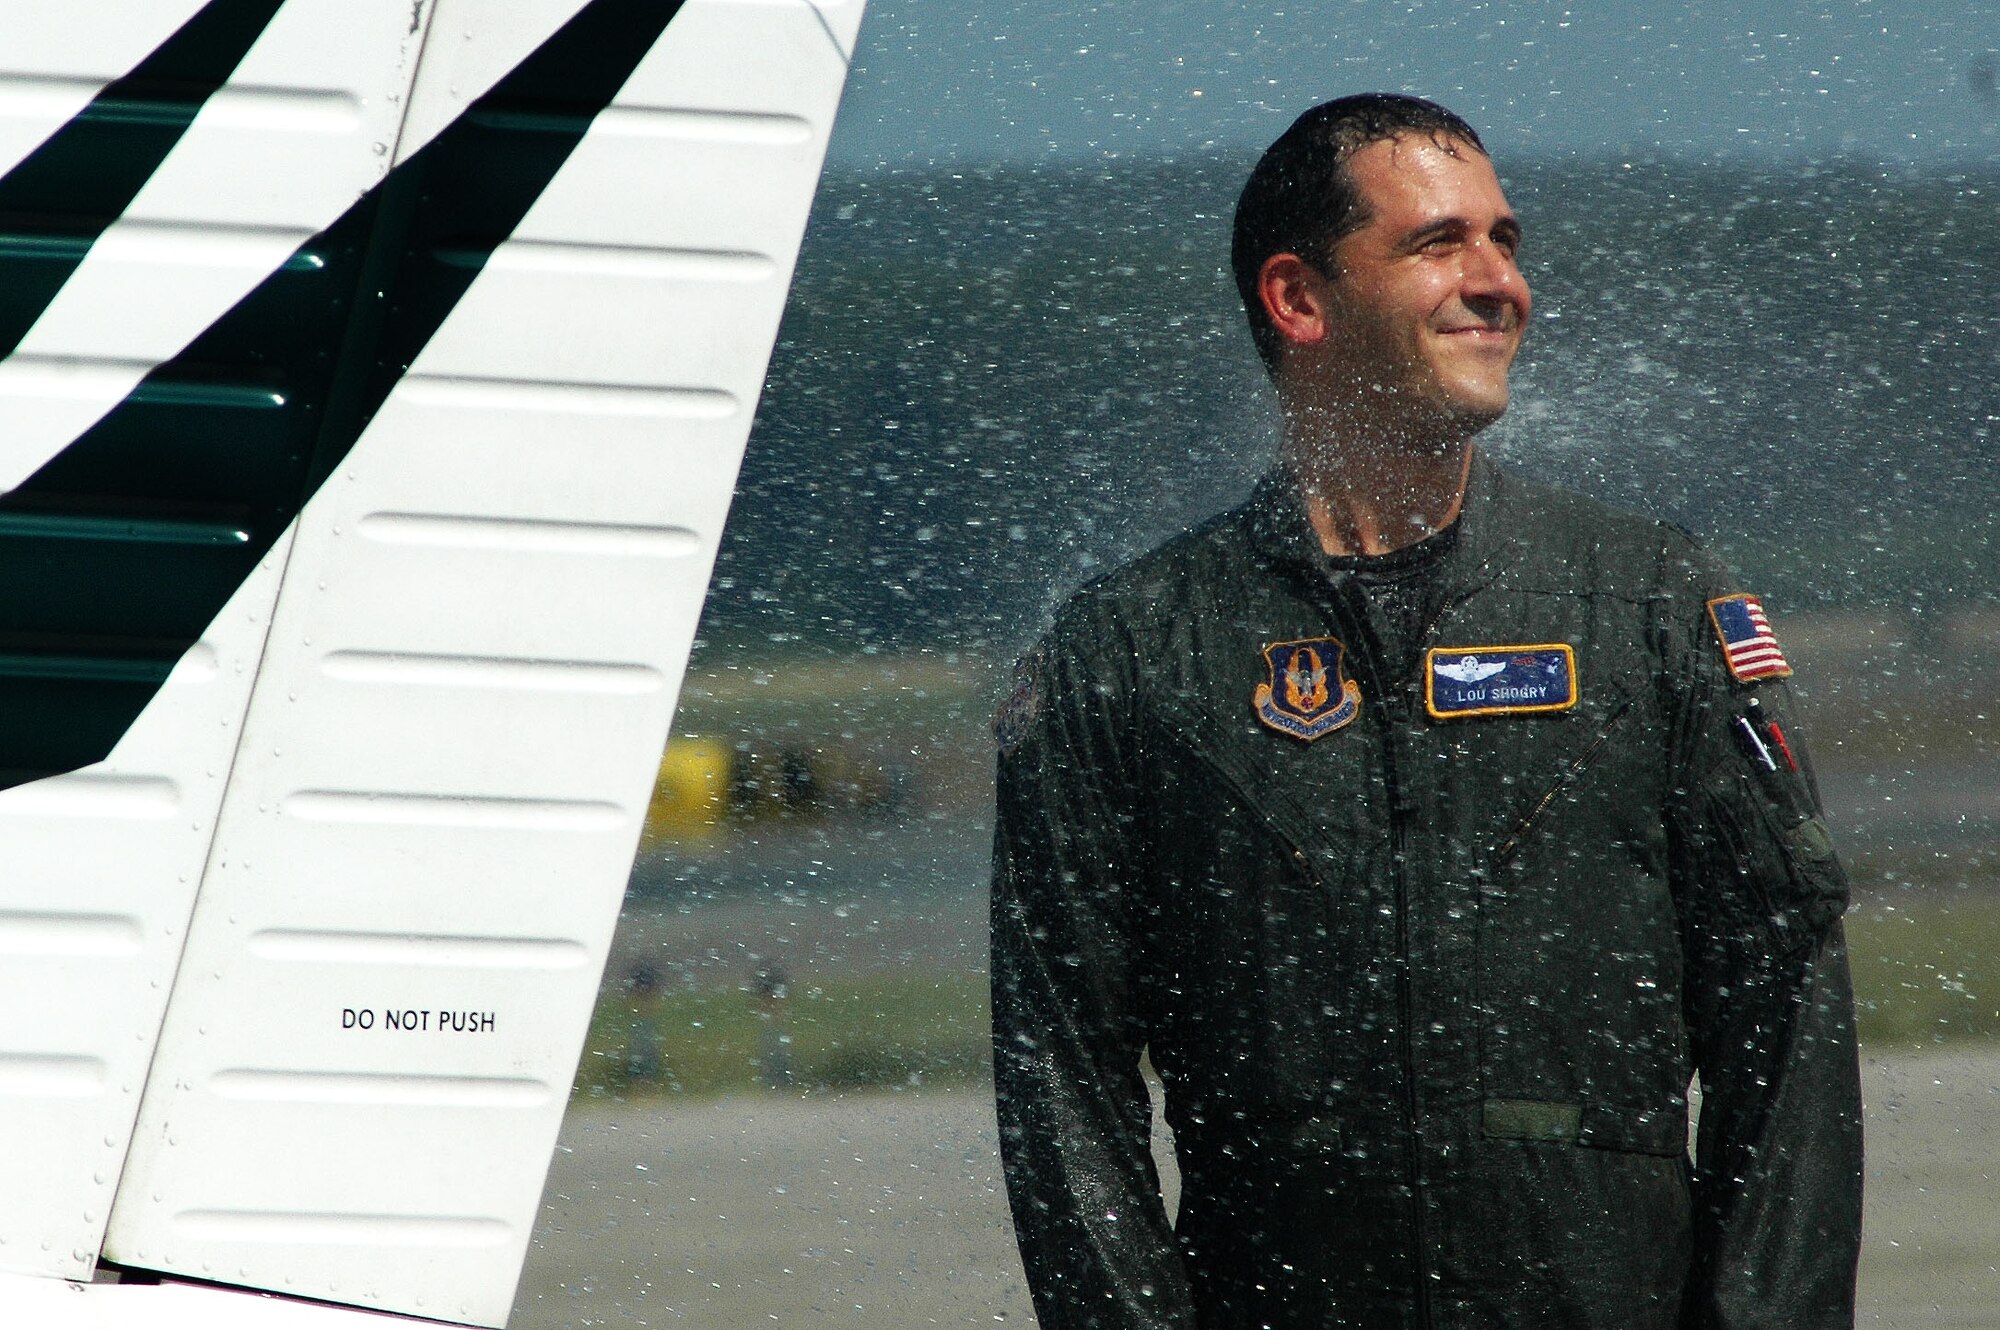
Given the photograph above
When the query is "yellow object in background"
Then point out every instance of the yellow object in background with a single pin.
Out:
(691, 792)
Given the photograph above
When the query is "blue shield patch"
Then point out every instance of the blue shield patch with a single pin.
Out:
(1308, 695)
(1499, 681)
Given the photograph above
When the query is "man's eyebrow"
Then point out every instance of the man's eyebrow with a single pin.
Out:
(1445, 226)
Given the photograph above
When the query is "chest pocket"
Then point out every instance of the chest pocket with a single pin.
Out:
(1571, 774)
(1275, 941)
(1508, 780)
(1313, 798)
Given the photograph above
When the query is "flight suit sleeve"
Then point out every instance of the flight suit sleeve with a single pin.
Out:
(1070, 966)
(1769, 1006)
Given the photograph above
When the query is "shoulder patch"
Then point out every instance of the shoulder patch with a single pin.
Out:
(1022, 705)
(1499, 680)
(1749, 647)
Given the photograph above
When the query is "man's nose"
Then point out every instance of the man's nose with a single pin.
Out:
(1493, 278)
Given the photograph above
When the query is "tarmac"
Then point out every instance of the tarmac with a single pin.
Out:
(883, 1211)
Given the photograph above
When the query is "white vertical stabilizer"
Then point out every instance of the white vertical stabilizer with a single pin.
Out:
(297, 980)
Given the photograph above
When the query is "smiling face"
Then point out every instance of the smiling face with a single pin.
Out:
(1424, 308)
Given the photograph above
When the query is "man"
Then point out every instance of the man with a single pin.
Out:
(1430, 829)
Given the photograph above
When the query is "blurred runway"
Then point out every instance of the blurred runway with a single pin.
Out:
(884, 1211)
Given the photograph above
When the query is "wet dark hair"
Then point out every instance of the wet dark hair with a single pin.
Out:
(1301, 200)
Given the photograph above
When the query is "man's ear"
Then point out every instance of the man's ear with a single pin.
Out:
(1295, 298)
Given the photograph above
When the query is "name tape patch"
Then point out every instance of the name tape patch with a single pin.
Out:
(1499, 681)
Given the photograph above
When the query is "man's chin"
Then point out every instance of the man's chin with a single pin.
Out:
(1460, 420)
(1477, 420)
(1473, 412)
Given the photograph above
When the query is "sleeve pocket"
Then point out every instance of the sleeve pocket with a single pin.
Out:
(1819, 882)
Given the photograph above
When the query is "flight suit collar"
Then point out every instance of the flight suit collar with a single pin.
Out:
(1282, 533)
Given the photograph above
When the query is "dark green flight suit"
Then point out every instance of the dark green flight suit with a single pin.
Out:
(1426, 994)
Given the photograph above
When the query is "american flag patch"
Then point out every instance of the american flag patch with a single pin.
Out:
(1748, 643)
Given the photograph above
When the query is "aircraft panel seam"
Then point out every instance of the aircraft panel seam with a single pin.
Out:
(281, 551)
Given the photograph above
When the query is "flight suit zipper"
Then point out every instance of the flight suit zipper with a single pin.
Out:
(1394, 704)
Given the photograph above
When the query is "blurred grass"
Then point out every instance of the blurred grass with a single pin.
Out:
(1924, 937)
(879, 1031)
(1926, 966)
(1926, 973)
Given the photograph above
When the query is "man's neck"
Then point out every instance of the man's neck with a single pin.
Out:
(1366, 499)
